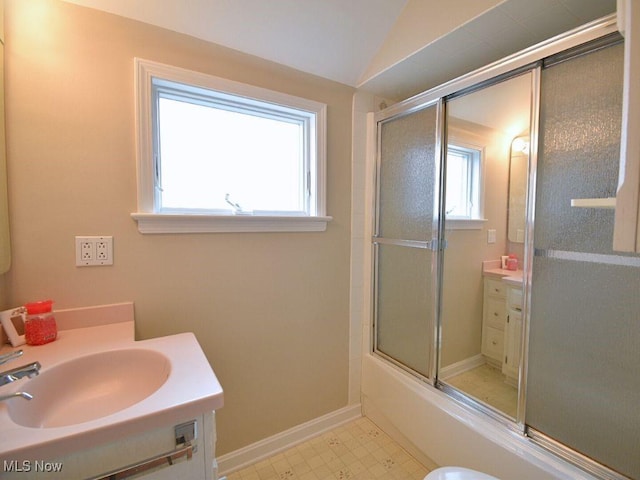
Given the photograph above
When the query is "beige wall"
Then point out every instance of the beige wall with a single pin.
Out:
(270, 310)
(467, 249)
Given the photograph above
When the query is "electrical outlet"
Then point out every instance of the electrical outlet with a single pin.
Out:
(101, 250)
(91, 251)
(87, 251)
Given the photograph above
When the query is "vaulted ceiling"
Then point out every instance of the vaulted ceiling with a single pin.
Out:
(394, 48)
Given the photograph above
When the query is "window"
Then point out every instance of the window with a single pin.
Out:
(217, 155)
(463, 202)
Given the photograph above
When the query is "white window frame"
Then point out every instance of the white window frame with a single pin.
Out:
(476, 220)
(151, 220)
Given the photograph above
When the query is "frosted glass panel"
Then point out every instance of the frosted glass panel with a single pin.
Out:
(583, 384)
(581, 120)
(403, 306)
(407, 175)
(405, 300)
(583, 387)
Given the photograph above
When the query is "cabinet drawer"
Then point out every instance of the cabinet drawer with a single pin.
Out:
(493, 343)
(495, 313)
(495, 288)
(514, 299)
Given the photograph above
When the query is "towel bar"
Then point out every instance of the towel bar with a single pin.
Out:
(162, 460)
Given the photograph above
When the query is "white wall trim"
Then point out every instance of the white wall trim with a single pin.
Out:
(462, 366)
(267, 447)
(315, 113)
(465, 224)
(168, 223)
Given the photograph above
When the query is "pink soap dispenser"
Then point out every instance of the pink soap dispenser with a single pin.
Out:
(40, 324)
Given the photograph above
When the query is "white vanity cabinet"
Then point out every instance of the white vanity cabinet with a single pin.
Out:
(93, 425)
(493, 320)
(512, 333)
(97, 462)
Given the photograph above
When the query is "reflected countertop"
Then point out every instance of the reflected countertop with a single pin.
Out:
(510, 277)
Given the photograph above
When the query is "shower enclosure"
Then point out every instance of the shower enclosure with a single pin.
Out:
(558, 339)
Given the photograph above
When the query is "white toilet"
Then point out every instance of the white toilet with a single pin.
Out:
(457, 473)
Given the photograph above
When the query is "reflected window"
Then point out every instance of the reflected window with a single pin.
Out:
(463, 182)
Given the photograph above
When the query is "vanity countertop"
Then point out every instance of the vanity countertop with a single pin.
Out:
(191, 387)
(492, 269)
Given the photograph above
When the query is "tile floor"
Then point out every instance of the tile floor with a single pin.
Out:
(487, 384)
(358, 450)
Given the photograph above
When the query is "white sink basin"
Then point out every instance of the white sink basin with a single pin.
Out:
(90, 387)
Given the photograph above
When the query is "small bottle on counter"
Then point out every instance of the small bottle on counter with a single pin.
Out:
(40, 324)
(512, 262)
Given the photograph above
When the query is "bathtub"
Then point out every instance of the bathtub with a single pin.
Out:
(439, 431)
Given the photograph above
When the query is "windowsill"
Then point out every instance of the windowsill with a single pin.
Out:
(175, 223)
(464, 224)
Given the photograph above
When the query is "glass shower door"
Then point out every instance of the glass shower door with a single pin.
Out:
(583, 385)
(405, 238)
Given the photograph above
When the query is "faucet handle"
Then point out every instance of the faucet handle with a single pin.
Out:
(25, 395)
(29, 370)
(7, 357)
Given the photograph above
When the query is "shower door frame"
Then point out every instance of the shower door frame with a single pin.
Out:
(526, 60)
(438, 244)
(434, 244)
(537, 437)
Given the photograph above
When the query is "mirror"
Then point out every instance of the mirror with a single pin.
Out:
(518, 175)
(481, 204)
(5, 250)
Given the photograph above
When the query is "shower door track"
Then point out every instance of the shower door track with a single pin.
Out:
(572, 456)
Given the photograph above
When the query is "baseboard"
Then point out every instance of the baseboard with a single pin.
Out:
(255, 452)
(462, 366)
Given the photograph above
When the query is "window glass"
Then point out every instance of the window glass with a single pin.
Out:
(463, 182)
(217, 159)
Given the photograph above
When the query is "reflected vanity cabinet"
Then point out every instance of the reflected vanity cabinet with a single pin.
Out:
(502, 323)
(493, 320)
(512, 331)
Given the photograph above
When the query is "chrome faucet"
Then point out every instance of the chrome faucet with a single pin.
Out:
(25, 395)
(29, 370)
(7, 357)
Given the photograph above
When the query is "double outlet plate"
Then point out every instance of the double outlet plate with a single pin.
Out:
(94, 251)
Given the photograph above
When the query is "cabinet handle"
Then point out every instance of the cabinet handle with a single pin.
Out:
(165, 459)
